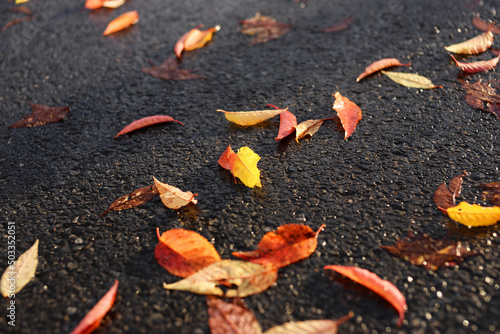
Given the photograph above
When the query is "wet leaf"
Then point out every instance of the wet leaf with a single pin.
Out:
(485, 26)
(20, 272)
(41, 115)
(444, 198)
(473, 46)
(474, 215)
(380, 65)
(92, 320)
(182, 252)
(228, 278)
(145, 122)
(477, 66)
(242, 165)
(348, 112)
(265, 28)
(483, 96)
(194, 39)
(246, 118)
(136, 198)
(411, 80)
(121, 22)
(342, 25)
(430, 253)
(383, 288)
(491, 192)
(169, 70)
(310, 326)
(288, 122)
(173, 197)
(231, 318)
(309, 127)
(289, 244)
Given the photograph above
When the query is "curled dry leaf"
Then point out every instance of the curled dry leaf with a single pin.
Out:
(41, 115)
(473, 46)
(92, 320)
(246, 118)
(474, 215)
(231, 318)
(372, 281)
(290, 243)
(477, 66)
(242, 165)
(169, 70)
(342, 25)
(238, 279)
(380, 65)
(483, 96)
(491, 192)
(194, 39)
(411, 80)
(136, 198)
(310, 326)
(265, 28)
(173, 197)
(182, 252)
(309, 127)
(348, 112)
(145, 122)
(430, 253)
(20, 272)
(445, 197)
(485, 26)
(121, 22)
(288, 122)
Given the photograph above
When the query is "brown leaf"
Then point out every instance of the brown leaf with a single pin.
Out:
(483, 96)
(342, 25)
(265, 28)
(136, 198)
(169, 70)
(485, 26)
(430, 253)
(444, 198)
(491, 192)
(41, 115)
(231, 318)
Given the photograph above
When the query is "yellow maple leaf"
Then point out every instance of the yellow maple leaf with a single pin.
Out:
(244, 166)
(474, 215)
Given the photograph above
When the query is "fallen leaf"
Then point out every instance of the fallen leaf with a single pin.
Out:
(290, 243)
(182, 252)
(16, 21)
(484, 96)
(474, 215)
(473, 46)
(21, 1)
(20, 272)
(246, 118)
(242, 165)
(310, 326)
(228, 278)
(194, 39)
(430, 253)
(411, 80)
(491, 192)
(348, 112)
(136, 198)
(342, 25)
(92, 320)
(224, 158)
(145, 122)
(380, 65)
(485, 26)
(173, 197)
(265, 28)
(95, 4)
(121, 22)
(477, 66)
(231, 318)
(444, 198)
(383, 288)
(169, 70)
(309, 127)
(288, 123)
(41, 115)
(495, 51)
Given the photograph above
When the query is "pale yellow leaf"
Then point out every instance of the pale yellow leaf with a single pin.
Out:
(309, 127)
(323, 326)
(19, 273)
(113, 3)
(410, 80)
(173, 197)
(474, 45)
(246, 118)
(244, 166)
(474, 215)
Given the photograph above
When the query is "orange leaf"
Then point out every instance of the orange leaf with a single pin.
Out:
(380, 65)
(145, 122)
(94, 4)
(136, 198)
(383, 288)
(474, 45)
(288, 122)
(92, 320)
(194, 39)
(224, 158)
(348, 112)
(231, 318)
(182, 252)
(477, 66)
(121, 22)
(246, 118)
(290, 243)
(309, 127)
(173, 197)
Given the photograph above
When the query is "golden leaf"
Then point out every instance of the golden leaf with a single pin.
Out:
(246, 118)
(474, 215)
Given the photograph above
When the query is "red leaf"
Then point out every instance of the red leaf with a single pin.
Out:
(136, 198)
(41, 115)
(485, 26)
(348, 112)
(444, 198)
(224, 160)
(383, 288)
(231, 318)
(289, 244)
(169, 70)
(380, 65)
(265, 28)
(288, 122)
(92, 320)
(477, 66)
(145, 122)
(342, 25)
(182, 252)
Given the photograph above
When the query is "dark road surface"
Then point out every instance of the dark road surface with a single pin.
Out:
(369, 190)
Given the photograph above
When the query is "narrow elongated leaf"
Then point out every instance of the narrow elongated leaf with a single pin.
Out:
(41, 114)
(372, 281)
(411, 80)
(310, 326)
(290, 243)
(242, 165)
(16, 21)
(169, 70)
(20, 273)
(231, 318)
(246, 118)
(485, 26)
(309, 127)
(473, 46)
(491, 192)
(239, 279)
(182, 252)
(288, 122)
(380, 65)
(444, 198)
(95, 4)
(173, 197)
(342, 25)
(92, 320)
(121, 22)
(348, 112)
(477, 66)
(474, 215)
(136, 198)
(194, 39)
(145, 122)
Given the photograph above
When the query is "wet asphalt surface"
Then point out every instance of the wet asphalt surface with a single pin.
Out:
(369, 190)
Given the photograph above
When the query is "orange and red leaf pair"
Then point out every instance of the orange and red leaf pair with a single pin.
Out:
(194, 39)
(145, 122)
(121, 22)
(242, 165)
